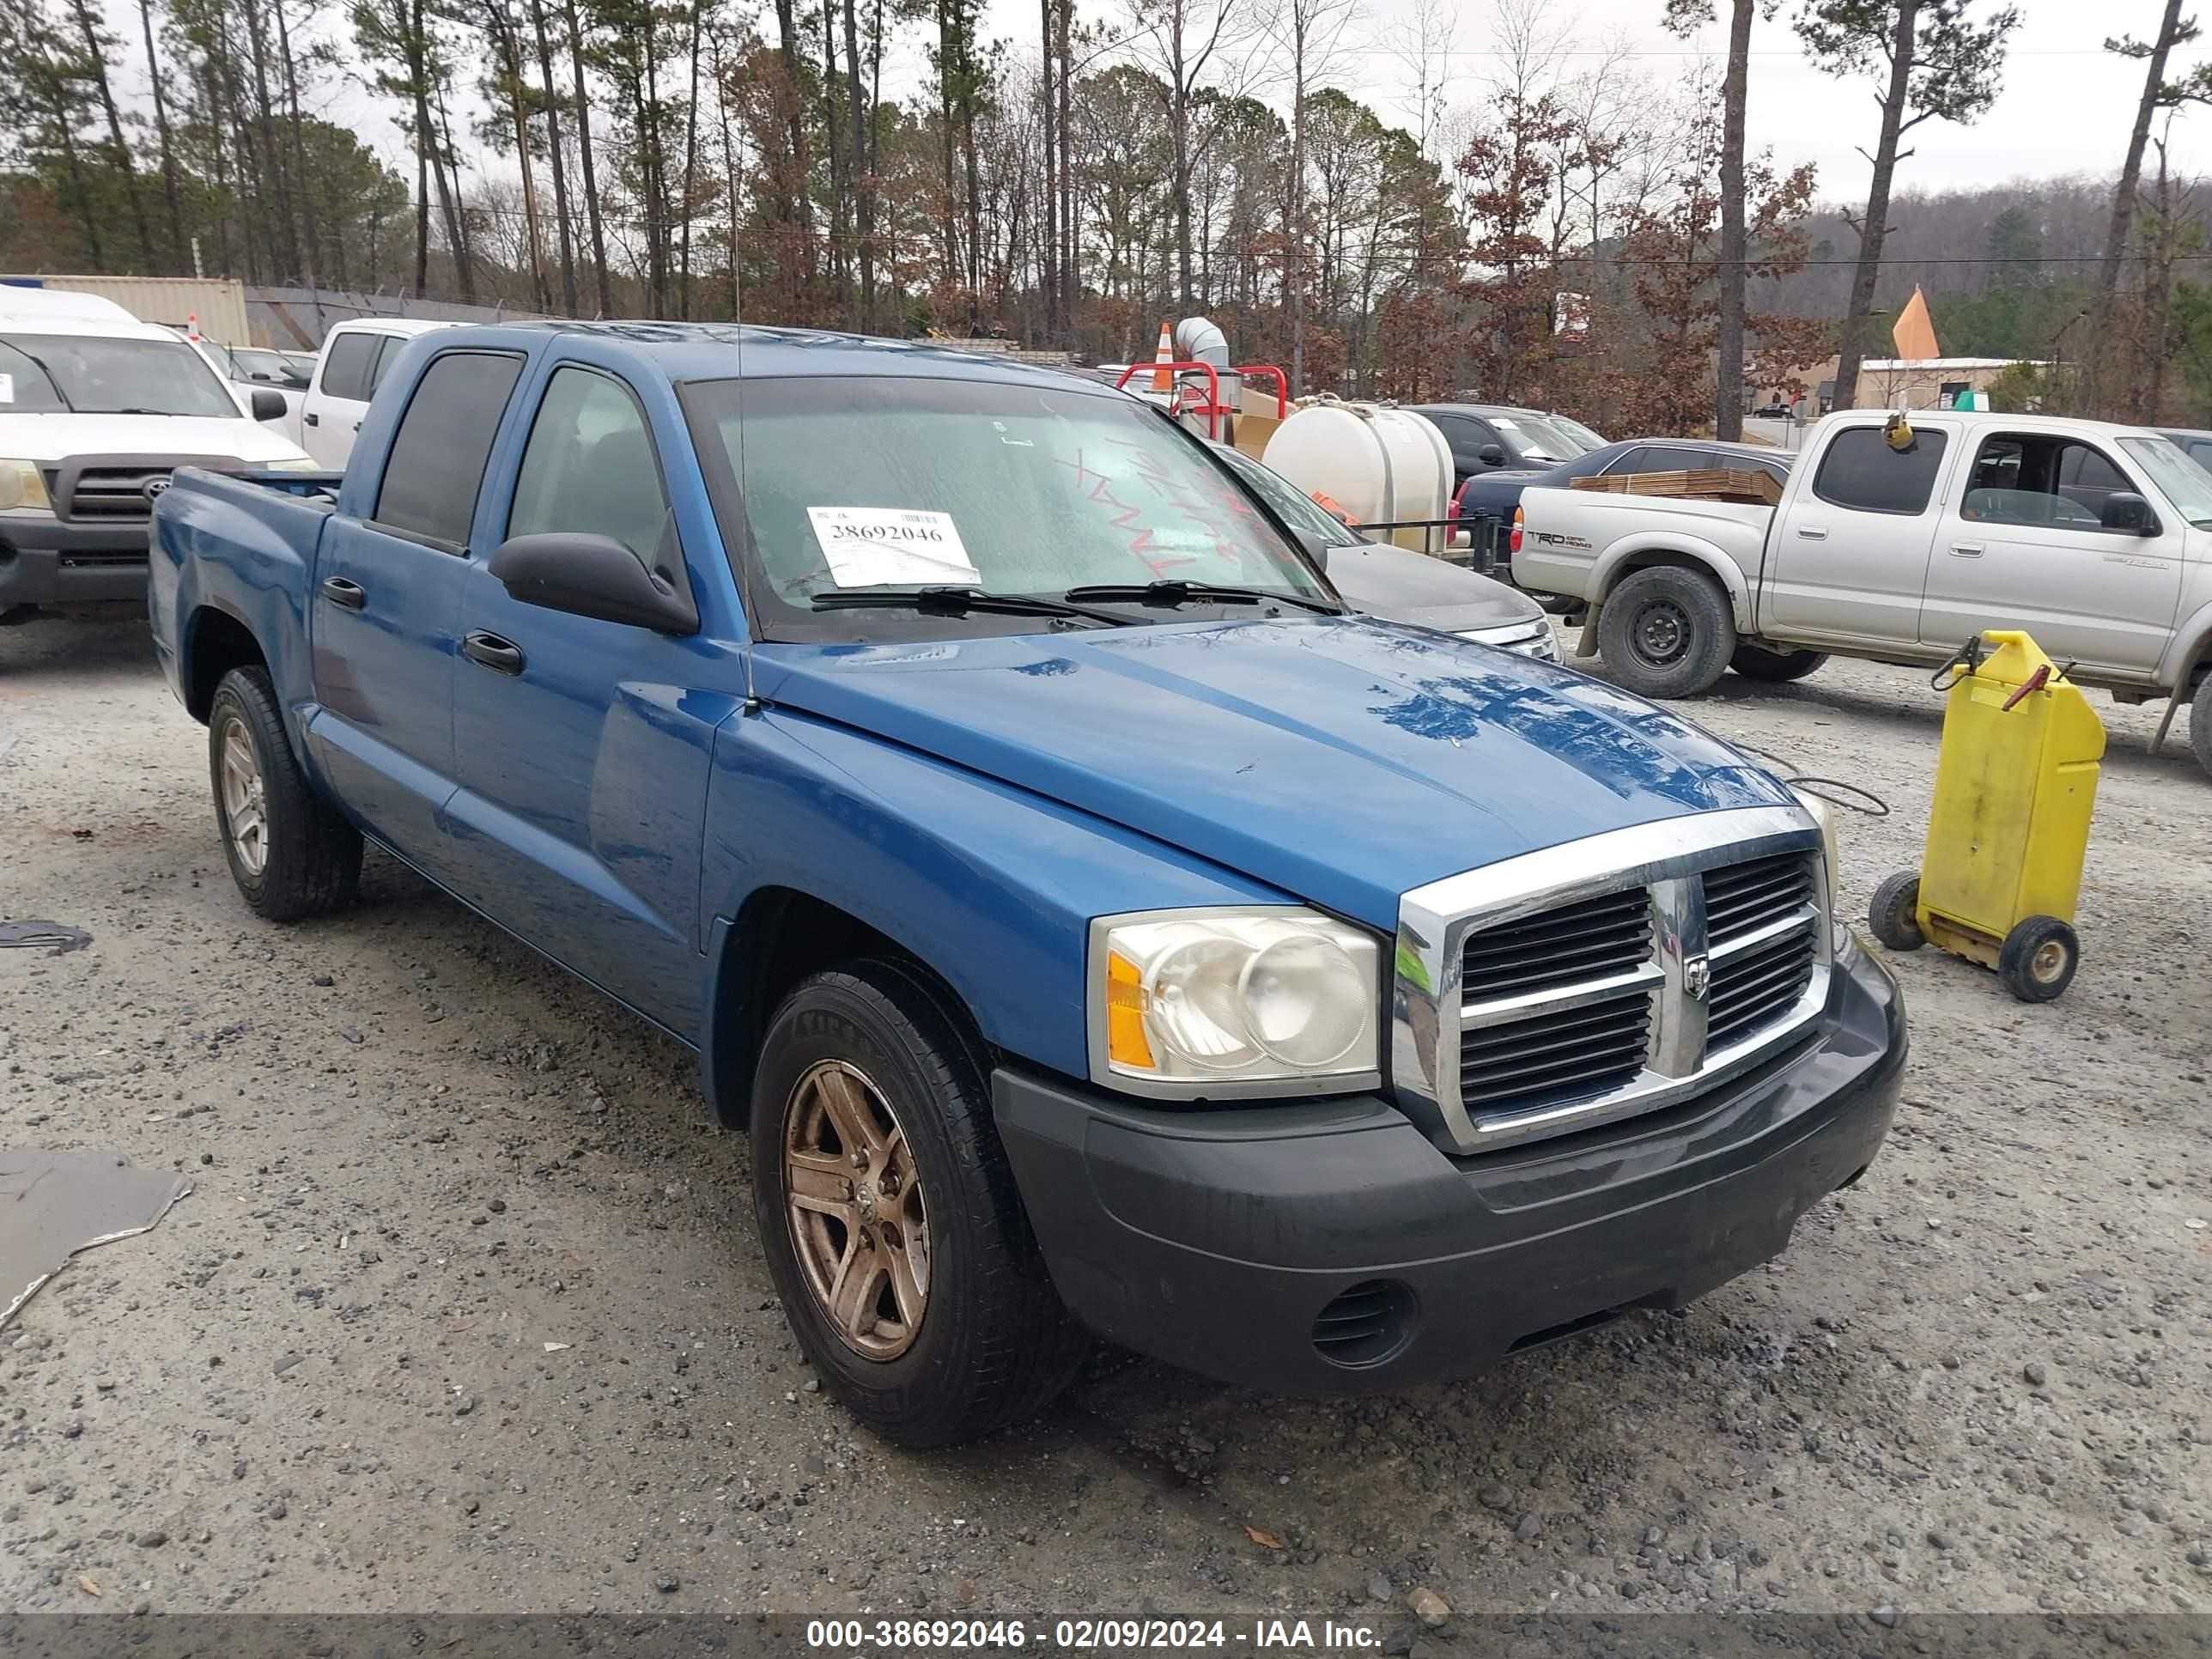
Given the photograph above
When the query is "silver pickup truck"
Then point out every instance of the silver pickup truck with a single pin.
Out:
(2097, 539)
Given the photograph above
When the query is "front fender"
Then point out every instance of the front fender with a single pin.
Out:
(992, 887)
(2191, 645)
(1613, 565)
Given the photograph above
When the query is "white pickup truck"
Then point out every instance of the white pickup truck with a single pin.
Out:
(2097, 539)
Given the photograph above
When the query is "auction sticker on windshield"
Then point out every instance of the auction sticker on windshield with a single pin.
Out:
(876, 546)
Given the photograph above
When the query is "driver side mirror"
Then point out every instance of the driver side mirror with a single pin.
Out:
(1491, 455)
(2124, 510)
(592, 576)
(267, 406)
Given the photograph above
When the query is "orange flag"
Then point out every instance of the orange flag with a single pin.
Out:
(1914, 332)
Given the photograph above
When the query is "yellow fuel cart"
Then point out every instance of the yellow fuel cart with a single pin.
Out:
(2016, 783)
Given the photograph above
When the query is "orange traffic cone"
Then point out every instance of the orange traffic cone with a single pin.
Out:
(1162, 380)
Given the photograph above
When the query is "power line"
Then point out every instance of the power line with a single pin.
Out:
(1255, 251)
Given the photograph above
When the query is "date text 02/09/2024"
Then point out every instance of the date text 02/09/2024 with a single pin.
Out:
(1078, 1635)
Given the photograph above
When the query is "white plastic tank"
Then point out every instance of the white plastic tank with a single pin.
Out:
(1378, 463)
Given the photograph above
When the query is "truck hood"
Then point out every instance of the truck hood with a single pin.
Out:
(1394, 584)
(59, 437)
(1339, 760)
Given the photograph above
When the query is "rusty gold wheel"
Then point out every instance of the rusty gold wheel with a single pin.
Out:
(859, 1225)
(245, 804)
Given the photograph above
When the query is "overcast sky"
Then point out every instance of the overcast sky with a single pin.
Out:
(2066, 106)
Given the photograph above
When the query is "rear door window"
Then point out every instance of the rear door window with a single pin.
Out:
(388, 348)
(345, 367)
(1861, 471)
(436, 467)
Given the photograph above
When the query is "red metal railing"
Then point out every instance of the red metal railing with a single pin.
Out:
(1214, 408)
(1256, 370)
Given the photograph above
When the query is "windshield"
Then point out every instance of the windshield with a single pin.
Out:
(1539, 439)
(1575, 429)
(1292, 505)
(94, 374)
(2179, 479)
(876, 482)
(251, 363)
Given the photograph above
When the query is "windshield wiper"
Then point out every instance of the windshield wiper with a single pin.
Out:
(1174, 591)
(134, 411)
(958, 602)
(39, 363)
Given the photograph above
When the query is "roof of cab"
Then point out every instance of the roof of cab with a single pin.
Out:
(721, 351)
(43, 304)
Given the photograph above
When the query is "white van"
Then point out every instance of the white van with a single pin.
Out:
(354, 358)
(96, 409)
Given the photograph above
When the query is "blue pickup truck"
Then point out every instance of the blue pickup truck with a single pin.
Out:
(1098, 929)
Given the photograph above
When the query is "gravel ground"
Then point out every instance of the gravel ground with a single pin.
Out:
(465, 1312)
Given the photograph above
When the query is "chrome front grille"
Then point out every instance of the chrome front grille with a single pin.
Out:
(1541, 1059)
(1571, 945)
(1744, 897)
(1758, 986)
(1608, 976)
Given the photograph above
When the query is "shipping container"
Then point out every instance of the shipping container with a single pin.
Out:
(216, 303)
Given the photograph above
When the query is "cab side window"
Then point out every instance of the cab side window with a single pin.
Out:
(345, 367)
(2036, 479)
(1861, 471)
(589, 469)
(436, 463)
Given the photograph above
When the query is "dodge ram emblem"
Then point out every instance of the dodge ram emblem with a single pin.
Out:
(1697, 977)
(152, 488)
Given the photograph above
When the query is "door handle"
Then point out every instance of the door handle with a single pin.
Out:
(313, 419)
(1812, 533)
(1966, 550)
(501, 656)
(338, 591)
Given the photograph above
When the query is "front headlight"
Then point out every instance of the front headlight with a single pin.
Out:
(1215, 1002)
(22, 485)
(296, 464)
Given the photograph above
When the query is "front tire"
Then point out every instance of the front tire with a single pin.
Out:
(890, 1218)
(1755, 663)
(1666, 632)
(291, 854)
(2200, 725)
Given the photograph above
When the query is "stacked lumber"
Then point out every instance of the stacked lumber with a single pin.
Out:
(1751, 487)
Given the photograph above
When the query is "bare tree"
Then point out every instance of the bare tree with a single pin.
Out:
(99, 46)
(1422, 42)
(1311, 34)
(2173, 30)
(1188, 44)
(1934, 61)
(1683, 17)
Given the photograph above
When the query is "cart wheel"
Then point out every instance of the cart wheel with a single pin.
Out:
(2037, 959)
(1894, 914)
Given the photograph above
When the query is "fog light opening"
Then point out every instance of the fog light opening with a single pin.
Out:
(1367, 1325)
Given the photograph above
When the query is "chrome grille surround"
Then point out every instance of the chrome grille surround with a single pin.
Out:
(1668, 860)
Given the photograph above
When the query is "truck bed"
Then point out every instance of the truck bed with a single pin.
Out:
(1567, 534)
(243, 544)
